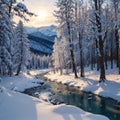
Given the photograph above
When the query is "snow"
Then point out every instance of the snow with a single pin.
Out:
(21, 82)
(37, 72)
(46, 96)
(111, 88)
(18, 106)
(31, 29)
(48, 30)
(41, 39)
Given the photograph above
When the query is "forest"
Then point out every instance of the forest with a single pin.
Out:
(15, 55)
(88, 35)
(80, 80)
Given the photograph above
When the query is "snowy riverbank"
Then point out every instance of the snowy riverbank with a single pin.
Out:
(18, 106)
(111, 88)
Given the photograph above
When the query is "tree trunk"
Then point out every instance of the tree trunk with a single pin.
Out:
(119, 59)
(19, 69)
(81, 57)
(101, 62)
(100, 40)
(61, 72)
(21, 60)
(117, 46)
(111, 56)
(92, 60)
(106, 59)
(116, 8)
(71, 50)
(98, 66)
(73, 63)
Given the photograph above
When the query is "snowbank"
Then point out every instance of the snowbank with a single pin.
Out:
(17, 106)
(21, 82)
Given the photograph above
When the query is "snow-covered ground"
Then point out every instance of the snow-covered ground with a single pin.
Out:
(111, 88)
(17, 106)
(20, 83)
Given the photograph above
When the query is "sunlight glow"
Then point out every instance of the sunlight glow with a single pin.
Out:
(42, 15)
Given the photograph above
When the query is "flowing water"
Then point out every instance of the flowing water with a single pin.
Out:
(84, 100)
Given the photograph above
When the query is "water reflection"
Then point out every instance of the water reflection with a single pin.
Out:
(87, 101)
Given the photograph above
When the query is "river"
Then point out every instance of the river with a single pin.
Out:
(84, 100)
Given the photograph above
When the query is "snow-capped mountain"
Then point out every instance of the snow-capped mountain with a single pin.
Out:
(31, 29)
(40, 35)
(41, 39)
(48, 30)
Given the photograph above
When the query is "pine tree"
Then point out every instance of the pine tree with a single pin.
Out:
(8, 53)
(7, 38)
(23, 47)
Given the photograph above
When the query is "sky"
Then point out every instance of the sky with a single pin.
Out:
(43, 9)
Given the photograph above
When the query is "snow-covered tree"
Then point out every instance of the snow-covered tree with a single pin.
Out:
(9, 8)
(7, 38)
(80, 20)
(57, 56)
(61, 55)
(23, 47)
(99, 29)
(116, 21)
(38, 61)
(65, 17)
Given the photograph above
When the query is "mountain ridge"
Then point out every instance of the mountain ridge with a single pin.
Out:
(41, 39)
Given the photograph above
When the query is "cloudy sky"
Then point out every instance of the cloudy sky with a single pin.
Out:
(44, 9)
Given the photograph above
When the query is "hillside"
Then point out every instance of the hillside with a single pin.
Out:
(41, 39)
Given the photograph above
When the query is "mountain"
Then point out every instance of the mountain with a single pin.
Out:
(48, 30)
(41, 39)
(31, 29)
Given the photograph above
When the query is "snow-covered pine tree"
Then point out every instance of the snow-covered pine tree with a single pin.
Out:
(38, 61)
(9, 8)
(23, 47)
(7, 38)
